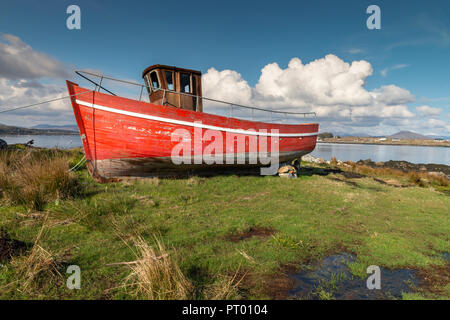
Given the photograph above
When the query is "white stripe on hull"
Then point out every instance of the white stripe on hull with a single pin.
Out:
(193, 124)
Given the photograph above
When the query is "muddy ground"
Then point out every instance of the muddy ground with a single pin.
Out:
(10, 247)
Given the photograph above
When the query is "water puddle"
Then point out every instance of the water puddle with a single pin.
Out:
(331, 279)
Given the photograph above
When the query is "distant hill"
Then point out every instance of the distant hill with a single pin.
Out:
(68, 127)
(408, 135)
(11, 130)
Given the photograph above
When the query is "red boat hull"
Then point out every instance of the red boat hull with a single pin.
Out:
(124, 137)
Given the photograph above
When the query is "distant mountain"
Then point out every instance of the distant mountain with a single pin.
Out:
(408, 135)
(69, 127)
(11, 130)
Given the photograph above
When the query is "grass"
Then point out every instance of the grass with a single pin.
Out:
(177, 232)
(155, 274)
(33, 179)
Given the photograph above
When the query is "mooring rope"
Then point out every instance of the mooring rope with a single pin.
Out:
(43, 102)
(78, 164)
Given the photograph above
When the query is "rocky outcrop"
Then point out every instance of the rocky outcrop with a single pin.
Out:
(310, 158)
(432, 169)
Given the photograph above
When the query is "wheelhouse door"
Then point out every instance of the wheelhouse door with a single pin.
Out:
(186, 89)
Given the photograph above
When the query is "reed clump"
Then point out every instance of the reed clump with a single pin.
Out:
(39, 265)
(224, 288)
(333, 161)
(33, 178)
(155, 274)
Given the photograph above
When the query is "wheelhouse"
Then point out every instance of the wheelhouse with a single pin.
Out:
(172, 86)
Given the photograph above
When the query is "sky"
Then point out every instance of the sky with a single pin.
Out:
(286, 55)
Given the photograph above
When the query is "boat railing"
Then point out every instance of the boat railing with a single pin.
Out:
(231, 105)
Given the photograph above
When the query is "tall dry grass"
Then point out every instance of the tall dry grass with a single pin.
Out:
(34, 178)
(156, 275)
(38, 263)
(224, 288)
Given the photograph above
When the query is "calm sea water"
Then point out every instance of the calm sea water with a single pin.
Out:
(353, 152)
(62, 142)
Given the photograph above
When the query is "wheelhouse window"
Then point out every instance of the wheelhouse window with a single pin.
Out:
(185, 82)
(147, 85)
(154, 79)
(169, 80)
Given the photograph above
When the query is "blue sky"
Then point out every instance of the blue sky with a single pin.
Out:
(121, 38)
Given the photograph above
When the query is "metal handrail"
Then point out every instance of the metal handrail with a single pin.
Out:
(79, 72)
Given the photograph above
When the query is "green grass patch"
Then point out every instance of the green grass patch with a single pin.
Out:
(310, 218)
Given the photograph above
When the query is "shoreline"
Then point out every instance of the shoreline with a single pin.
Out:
(402, 165)
(384, 144)
(40, 134)
(413, 143)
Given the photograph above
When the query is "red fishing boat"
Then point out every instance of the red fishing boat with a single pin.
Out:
(172, 135)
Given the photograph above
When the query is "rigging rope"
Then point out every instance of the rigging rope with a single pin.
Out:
(78, 164)
(47, 101)
(42, 102)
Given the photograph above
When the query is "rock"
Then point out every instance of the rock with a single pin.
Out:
(287, 171)
(436, 174)
(309, 158)
(3, 144)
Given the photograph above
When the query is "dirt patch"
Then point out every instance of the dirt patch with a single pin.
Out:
(278, 287)
(308, 171)
(275, 286)
(261, 232)
(435, 278)
(352, 175)
(10, 247)
(391, 183)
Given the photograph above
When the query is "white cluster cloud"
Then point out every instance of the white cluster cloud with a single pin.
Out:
(26, 92)
(329, 86)
(392, 95)
(21, 68)
(232, 87)
(326, 82)
(428, 111)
